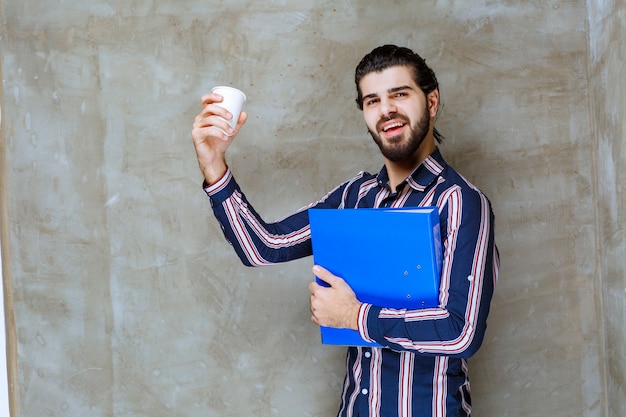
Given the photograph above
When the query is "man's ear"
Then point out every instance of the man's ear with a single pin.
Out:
(432, 101)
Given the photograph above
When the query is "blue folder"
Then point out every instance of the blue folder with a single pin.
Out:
(390, 257)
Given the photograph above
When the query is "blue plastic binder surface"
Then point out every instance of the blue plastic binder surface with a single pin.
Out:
(390, 257)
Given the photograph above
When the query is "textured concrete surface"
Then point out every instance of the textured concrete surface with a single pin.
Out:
(607, 23)
(127, 299)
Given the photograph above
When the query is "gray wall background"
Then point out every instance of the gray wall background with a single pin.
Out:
(123, 299)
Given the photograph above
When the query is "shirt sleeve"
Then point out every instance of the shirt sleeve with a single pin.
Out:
(255, 241)
(469, 272)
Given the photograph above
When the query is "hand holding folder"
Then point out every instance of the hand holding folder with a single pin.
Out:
(390, 257)
(334, 304)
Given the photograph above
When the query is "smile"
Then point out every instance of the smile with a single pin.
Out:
(391, 126)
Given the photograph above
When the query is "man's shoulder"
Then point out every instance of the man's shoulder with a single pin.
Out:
(452, 178)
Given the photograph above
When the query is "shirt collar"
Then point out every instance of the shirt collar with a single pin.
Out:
(423, 175)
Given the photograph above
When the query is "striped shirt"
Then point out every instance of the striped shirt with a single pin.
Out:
(421, 370)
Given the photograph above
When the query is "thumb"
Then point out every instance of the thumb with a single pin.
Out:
(326, 276)
(243, 116)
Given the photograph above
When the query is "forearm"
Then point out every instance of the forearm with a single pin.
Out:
(436, 331)
(213, 171)
(255, 241)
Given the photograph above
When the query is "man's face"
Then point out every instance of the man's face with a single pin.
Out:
(395, 111)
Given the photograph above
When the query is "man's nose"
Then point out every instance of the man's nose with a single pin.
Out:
(387, 107)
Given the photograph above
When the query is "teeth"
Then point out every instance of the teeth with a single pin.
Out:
(391, 126)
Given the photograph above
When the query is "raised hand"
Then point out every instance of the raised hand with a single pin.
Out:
(212, 135)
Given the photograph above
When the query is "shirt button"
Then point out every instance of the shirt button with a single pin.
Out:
(364, 391)
(368, 354)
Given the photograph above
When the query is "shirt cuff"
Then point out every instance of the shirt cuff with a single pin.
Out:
(366, 322)
(219, 185)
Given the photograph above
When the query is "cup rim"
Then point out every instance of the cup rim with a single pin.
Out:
(226, 87)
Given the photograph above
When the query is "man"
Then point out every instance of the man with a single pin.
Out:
(422, 368)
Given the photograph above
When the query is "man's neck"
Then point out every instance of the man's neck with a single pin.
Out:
(399, 171)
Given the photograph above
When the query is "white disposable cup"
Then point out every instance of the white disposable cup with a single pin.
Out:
(233, 101)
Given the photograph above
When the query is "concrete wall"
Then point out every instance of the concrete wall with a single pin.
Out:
(4, 371)
(128, 301)
(607, 25)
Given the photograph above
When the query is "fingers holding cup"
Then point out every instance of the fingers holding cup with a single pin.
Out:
(232, 101)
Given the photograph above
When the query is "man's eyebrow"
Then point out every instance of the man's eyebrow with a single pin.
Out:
(367, 97)
(390, 91)
(396, 89)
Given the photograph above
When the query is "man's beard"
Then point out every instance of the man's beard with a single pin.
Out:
(395, 148)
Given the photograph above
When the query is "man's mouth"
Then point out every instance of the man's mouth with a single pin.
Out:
(392, 128)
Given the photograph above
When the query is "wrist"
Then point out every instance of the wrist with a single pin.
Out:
(214, 172)
(354, 322)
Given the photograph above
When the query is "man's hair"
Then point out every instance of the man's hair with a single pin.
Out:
(383, 57)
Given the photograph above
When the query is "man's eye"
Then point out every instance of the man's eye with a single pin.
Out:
(401, 94)
(371, 102)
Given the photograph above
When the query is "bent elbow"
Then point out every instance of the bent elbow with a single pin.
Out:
(473, 347)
